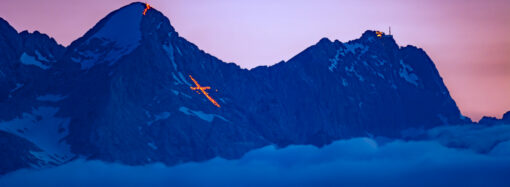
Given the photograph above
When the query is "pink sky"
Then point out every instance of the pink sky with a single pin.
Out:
(469, 40)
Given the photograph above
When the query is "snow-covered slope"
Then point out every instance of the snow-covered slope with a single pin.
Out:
(117, 36)
(45, 131)
(31, 134)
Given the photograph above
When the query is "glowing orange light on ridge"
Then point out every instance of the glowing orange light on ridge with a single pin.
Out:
(202, 89)
(147, 7)
(379, 33)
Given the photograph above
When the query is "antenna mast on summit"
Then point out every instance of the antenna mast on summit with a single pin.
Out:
(390, 30)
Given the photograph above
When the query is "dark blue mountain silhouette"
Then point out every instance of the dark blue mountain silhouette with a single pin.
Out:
(487, 120)
(122, 93)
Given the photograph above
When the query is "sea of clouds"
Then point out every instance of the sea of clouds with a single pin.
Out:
(468, 155)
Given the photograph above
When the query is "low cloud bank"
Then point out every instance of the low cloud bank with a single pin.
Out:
(450, 156)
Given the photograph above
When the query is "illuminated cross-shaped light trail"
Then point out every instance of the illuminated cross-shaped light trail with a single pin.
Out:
(202, 89)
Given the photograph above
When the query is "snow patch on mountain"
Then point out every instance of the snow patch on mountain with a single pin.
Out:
(353, 71)
(157, 117)
(170, 52)
(30, 60)
(89, 58)
(45, 130)
(120, 35)
(178, 50)
(380, 75)
(123, 27)
(180, 93)
(42, 58)
(334, 61)
(344, 82)
(202, 115)
(152, 145)
(177, 80)
(183, 79)
(406, 73)
(352, 47)
(18, 86)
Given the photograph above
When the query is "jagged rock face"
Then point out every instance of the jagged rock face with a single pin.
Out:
(487, 120)
(122, 93)
(506, 117)
(25, 67)
(143, 91)
(26, 88)
(370, 85)
(42, 48)
(24, 58)
(11, 48)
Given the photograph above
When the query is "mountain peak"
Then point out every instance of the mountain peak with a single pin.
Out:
(39, 36)
(6, 29)
(384, 39)
(506, 116)
(125, 79)
(10, 43)
(119, 33)
(4, 23)
(324, 40)
(123, 25)
(369, 33)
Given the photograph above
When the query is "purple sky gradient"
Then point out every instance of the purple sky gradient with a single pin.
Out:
(469, 40)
